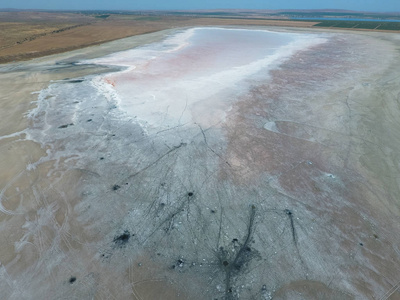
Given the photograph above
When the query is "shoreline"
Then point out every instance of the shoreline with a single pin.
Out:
(104, 200)
(63, 40)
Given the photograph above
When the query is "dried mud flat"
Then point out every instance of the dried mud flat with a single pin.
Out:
(294, 196)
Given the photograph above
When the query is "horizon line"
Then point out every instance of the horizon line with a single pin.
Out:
(10, 9)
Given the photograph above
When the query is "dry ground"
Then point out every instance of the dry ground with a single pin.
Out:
(26, 35)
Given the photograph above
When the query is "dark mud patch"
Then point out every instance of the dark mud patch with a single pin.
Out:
(72, 280)
(123, 239)
(66, 125)
(234, 265)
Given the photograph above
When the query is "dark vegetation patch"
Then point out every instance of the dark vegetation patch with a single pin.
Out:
(72, 279)
(148, 18)
(359, 24)
(116, 187)
(101, 16)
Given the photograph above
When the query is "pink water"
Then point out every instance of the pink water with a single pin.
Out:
(195, 75)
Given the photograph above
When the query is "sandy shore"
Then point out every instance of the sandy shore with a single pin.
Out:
(296, 193)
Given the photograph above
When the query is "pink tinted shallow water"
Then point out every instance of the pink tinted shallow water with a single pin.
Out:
(172, 82)
(206, 52)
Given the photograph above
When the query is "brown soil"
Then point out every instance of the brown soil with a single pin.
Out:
(29, 35)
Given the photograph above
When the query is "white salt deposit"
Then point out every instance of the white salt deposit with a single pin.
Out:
(194, 76)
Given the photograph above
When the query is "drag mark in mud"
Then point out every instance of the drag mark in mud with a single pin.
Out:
(211, 149)
(290, 215)
(154, 162)
(169, 220)
(233, 266)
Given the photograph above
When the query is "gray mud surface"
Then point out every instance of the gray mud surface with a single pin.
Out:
(295, 196)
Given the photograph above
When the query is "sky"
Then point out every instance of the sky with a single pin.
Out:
(359, 5)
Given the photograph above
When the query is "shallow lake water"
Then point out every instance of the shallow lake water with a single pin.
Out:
(196, 75)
